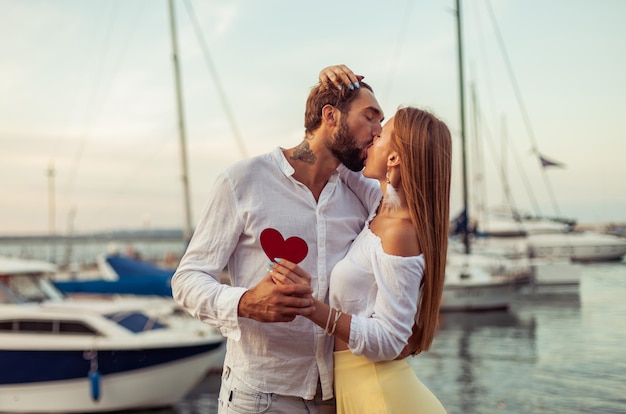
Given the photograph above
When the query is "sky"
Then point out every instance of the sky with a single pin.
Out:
(89, 137)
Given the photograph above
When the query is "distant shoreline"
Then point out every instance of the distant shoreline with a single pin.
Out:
(153, 246)
(120, 235)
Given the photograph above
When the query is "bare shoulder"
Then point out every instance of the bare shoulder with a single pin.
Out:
(399, 238)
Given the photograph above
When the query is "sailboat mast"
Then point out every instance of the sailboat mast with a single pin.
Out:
(52, 214)
(181, 126)
(464, 229)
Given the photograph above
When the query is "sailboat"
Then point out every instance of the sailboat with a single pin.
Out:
(544, 239)
(476, 282)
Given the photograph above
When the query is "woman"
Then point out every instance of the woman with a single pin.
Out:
(391, 280)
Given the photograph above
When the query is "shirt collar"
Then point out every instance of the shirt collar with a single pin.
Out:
(282, 162)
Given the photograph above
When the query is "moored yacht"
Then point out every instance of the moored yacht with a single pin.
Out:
(480, 282)
(94, 355)
(547, 239)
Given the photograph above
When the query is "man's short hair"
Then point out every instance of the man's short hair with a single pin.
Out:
(328, 94)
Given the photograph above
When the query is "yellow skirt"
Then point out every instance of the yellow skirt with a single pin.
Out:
(389, 387)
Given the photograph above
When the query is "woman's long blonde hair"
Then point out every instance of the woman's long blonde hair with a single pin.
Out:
(424, 146)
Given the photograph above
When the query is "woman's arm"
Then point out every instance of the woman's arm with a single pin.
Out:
(285, 272)
(383, 335)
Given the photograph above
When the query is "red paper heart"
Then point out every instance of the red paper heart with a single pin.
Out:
(293, 249)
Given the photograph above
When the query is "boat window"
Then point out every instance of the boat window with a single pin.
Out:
(5, 294)
(69, 327)
(6, 325)
(47, 326)
(27, 288)
(35, 326)
(135, 321)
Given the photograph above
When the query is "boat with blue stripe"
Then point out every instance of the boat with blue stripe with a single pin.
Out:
(94, 354)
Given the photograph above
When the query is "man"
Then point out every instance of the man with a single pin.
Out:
(280, 367)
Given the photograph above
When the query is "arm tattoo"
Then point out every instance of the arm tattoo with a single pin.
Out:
(304, 153)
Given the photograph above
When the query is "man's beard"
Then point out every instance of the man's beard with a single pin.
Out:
(342, 146)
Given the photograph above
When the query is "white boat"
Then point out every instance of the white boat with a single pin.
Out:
(546, 239)
(500, 223)
(94, 355)
(548, 274)
(478, 282)
(554, 277)
(584, 247)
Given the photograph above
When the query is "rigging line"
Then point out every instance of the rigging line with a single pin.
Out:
(513, 79)
(491, 110)
(75, 87)
(213, 71)
(520, 102)
(115, 71)
(492, 148)
(525, 181)
(120, 57)
(397, 49)
(480, 194)
(89, 117)
(520, 168)
(504, 171)
(477, 126)
(501, 166)
(484, 64)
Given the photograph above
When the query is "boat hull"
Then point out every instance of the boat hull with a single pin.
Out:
(156, 385)
(554, 277)
(579, 247)
(476, 297)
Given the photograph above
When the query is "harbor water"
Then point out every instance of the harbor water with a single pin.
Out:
(548, 354)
